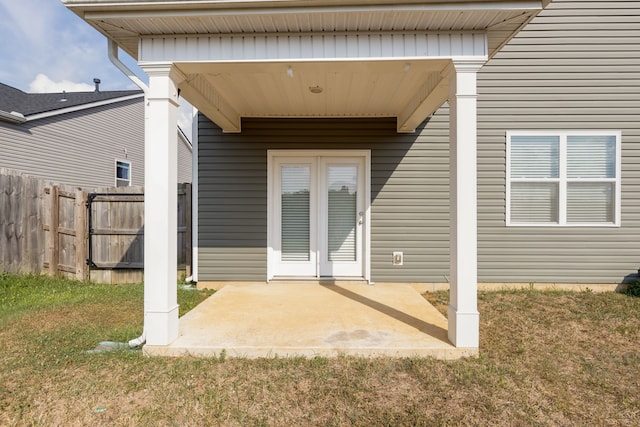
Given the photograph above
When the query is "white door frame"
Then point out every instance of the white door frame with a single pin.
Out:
(271, 189)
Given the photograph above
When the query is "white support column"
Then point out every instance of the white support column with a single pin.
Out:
(464, 322)
(160, 207)
(195, 200)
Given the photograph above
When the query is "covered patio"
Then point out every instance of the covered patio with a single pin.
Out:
(309, 59)
(284, 319)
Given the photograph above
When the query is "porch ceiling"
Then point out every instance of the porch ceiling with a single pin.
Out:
(213, 43)
(316, 89)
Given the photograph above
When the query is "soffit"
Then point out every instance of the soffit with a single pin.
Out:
(125, 21)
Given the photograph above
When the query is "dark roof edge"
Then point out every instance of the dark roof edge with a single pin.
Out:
(60, 111)
(185, 139)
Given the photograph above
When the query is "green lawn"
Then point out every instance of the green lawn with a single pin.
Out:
(547, 358)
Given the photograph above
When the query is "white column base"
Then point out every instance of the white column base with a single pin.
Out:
(463, 328)
(161, 327)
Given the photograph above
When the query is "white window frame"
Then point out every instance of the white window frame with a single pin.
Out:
(562, 180)
(116, 172)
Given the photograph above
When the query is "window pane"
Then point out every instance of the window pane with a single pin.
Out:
(534, 202)
(590, 202)
(122, 170)
(591, 156)
(295, 213)
(535, 156)
(341, 208)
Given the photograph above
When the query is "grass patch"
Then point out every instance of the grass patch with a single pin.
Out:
(547, 358)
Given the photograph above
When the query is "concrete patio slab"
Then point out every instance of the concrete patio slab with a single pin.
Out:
(301, 319)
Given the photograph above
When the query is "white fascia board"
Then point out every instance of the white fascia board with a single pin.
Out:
(82, 107)
(225, 8)
(299, 47)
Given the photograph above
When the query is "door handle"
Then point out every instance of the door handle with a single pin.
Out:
(360, 216)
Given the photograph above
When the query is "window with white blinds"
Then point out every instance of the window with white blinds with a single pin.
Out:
(563, 178)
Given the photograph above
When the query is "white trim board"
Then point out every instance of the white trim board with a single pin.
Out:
(313, 46)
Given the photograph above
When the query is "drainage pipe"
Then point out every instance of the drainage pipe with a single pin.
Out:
(137, 342)
(113, 57)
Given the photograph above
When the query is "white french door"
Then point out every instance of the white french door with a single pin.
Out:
(318, 209)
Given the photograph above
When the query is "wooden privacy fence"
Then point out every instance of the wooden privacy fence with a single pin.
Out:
(66, 232)
(22, 239)
(95, 234)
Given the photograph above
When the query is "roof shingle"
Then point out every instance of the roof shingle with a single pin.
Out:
(12, 99)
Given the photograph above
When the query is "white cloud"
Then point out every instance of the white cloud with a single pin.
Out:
(46, 48)
(43, 84)
(44, 37)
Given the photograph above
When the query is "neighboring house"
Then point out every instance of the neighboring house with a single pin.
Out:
(432, 141)
(86, 139)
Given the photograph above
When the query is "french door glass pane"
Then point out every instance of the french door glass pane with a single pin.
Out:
(534, 202)
(535, 156)
(590, 202)
(342, 183)
(295, 213)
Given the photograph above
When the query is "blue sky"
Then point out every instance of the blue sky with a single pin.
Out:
(44, 47)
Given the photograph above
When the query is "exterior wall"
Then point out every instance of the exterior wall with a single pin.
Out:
(409, 200)
(574, 67)
(79, 148)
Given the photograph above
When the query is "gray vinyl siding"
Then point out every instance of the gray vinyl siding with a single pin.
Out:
(409, 200)
(78, 148)
(185, 159)
(574, 67)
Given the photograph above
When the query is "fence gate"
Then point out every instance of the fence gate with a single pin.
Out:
(65, 232)
(116, 235)
(116, 231)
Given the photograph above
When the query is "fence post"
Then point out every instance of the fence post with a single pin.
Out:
(81, 237)
(54, 238)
